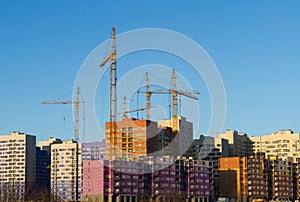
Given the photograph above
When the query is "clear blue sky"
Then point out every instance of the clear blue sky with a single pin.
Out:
(255, 45)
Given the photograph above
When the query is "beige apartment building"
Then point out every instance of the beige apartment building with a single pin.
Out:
(281, 144)
(66, 171)
(17, 166)
(238, 145)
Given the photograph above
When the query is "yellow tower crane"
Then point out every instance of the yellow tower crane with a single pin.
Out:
(174, 92)
(76, 112)
(112, 57)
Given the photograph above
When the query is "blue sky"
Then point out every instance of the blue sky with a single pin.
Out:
(255, 45)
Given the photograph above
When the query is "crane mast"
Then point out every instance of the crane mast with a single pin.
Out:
(76, 111)
(174, 118)
(174, 95)
(112, 57)
(148, 97)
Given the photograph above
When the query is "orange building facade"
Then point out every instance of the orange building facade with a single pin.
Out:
(133, 138)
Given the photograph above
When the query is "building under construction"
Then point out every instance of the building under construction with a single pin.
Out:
(135, 138)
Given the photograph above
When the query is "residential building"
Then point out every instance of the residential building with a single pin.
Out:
(240, 144)
(257, 178)
(178, 180)
(199, 186)
(296, 179)
(147, 179)
(93, 180)
(182, 128)
(66, 171)
(203, 149)
(243, 179)
(281, 177)
(17, 166)
(282, 144)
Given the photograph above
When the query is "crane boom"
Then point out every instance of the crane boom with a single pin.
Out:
(76, 112)
(126, 111)
(57, 102)
(112, 57)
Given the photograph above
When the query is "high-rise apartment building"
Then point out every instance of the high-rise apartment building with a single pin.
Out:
(239, 144)
(203, 149)
(282, 144)
(243, 178)
(17, 166)
(257, 178)
(281, 179)
(66, 171)
(183, 128)
(93, 180)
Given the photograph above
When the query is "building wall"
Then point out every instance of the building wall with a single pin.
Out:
(66, 171)
(30, 157)
(93, 150)
(282, 144)
(165, 143)
(42, 171)
(185, 132)
(296, 179)
(92, 179)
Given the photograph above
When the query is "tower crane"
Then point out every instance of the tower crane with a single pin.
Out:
(174, 92)
(76, 112)
(112, 57)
